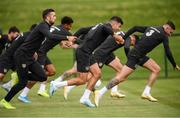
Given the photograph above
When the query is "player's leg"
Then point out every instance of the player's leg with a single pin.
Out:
(5, 86)
(85, 97)
(120, 77)
(5, 65)
(8, 85)
(117, 66)
(67, 89)
(23, 97)
(95, 72)
(152, 66)
(35, 73)
(74, 81)
(38, 73)
(83, 63)
(68, 73)
(83, 67)
(50, 71)
(22, 71)
(96, 75)
(125, 72)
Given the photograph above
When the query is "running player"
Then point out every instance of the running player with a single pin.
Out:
(93, 39)
(48, 44)
(7, 60)
(152, 36)
(24, 56)
(103, 55)
(6, 40)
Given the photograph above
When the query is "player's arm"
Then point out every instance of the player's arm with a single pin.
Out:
(68, 44)
(140, 29)
(127, 45)
(169, 54)
(82, 31)
(44, 29)
(117, 37)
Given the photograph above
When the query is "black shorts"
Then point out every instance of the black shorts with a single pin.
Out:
(143, 60)
(47, 61)
(135, 58)
(101, 60)
(83, 61)
(29, 69)
(5, 65)
(110, 58)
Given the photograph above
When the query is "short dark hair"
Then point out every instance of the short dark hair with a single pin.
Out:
(13, 29)
(117, 18)
(66, 20)
(32, 27)
(46, 12)
(171, 24)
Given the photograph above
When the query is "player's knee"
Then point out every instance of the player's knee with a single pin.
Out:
(157, 69)
(97, 74)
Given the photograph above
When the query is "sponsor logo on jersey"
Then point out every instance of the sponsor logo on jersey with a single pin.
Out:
(5, 70)
(87, 68)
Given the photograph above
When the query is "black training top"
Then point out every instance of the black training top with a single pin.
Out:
(14, 46)
(36, 37)
(152, 36)
(48, 44)
(108, 46)
(95, 37)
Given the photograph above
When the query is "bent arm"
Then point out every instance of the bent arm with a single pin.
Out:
(44, 29)
(140, 29)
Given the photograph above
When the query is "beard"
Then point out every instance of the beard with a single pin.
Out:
(51, 23)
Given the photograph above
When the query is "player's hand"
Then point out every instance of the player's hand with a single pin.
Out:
(66, 44)
(119, 39)
(75, 46)
(71, 38)
(177, 68)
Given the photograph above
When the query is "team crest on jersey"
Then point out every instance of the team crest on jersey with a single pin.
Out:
(42, 66)
(100, 64)
(87, 68)
(5, 70)
(23, 65)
